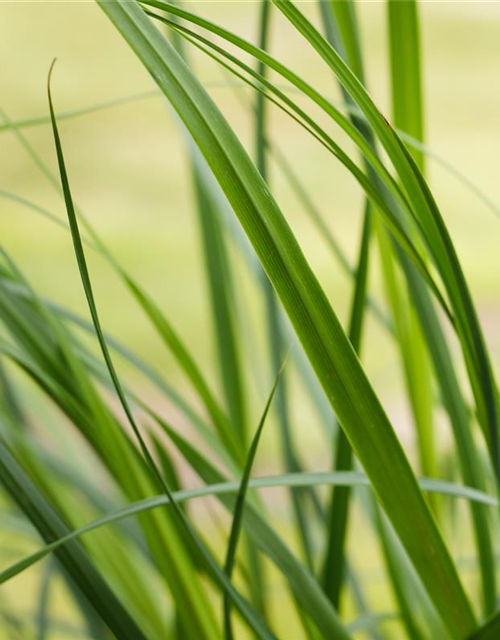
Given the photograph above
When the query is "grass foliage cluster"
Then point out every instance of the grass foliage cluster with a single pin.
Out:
(142, 567)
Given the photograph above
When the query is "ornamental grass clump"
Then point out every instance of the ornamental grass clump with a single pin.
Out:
(143, 567)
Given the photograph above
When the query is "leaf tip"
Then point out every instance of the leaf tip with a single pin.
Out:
(49, 76)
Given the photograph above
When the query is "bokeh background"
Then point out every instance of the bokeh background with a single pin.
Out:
(128, 168)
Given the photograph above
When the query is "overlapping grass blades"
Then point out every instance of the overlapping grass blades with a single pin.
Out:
(306, 590)
(162, 575)
(73, 558)
(257, 625)
(334, 478)
(340, 27)
(356, 405)
(239, 509)
(432, 227)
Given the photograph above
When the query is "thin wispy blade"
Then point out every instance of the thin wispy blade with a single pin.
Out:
(85, 277)
(316, 479)
(240, 503)
(258, 626)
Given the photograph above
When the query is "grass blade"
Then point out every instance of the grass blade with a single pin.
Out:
(337, 367)
(434, 232)
(239, 507)
(23, 491)
(246, 610)
(274, 324)
(334, 564)
(334, 478)
(405, 60)
(489, 631)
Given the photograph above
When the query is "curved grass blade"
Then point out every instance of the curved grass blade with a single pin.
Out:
(435, 233)
(72, 557)
(82, 266)
(333, 478)
(240, 506)
(357, 407)
(218, 271)
(407, 107)
(472, 470)
(148, 306)
(417, 614)
(381, 204)
(257, 625)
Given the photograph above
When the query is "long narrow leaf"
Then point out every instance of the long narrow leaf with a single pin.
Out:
(356, 405)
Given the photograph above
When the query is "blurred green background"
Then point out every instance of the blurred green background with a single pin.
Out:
(128, 169)
(128, 163)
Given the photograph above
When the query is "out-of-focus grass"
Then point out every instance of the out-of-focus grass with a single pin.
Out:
(137, 204)
(127, 167)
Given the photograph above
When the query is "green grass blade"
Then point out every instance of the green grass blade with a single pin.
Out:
(85, 277)
(405, 62)
(345, 18)
(472, 470)
(245, 609)
(51, 527)
(417, 614)
(414, 357)
(407, 107)
(334, 564)
(489, 631)
(333, 478)
(433, 228)
(240, 506)
(274, 325)
(221, 296)
(356, 405)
